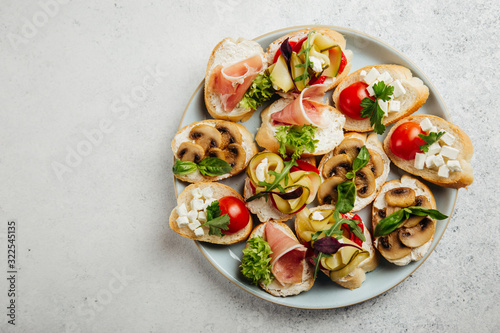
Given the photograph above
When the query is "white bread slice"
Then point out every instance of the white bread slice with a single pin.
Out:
(380, 203)
(462, 142)
(329, 137)
(415, 96)
(264, 210)
(299, 34)
(371, 142)
(247, 143)
(357, 276)
(219, 191)
(228, 52)
(275, 288)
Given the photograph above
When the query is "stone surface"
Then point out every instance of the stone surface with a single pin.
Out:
(109, 81)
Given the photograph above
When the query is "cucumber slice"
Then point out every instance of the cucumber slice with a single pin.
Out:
(280, 76)
(322, 42)
(297, 71)
(335, 56)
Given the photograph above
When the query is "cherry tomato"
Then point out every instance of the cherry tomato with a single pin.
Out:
(238, 213)
(303, 165)
(350, 99)
(405, 142)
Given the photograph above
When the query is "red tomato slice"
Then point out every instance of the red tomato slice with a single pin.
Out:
(405, 142)
(350, 99)
(237, 211)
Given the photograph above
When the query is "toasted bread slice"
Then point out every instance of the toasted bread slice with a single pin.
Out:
(462, 142)
(379, 210)
(218, 191)
(228, 52)
(275, 288)
(329, 137)
(372, 144)
(299, 34)
(415, 96)
(233, 136)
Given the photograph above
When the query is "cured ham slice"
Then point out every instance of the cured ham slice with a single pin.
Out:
(287, 257)
(306, 109)
(233, 81)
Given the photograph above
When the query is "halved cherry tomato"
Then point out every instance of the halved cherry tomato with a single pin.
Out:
(237, 211)
(350, 99)
(295, 48)
(303, 165)
(405, 142)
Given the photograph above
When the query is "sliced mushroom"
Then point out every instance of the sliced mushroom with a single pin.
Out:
(327, 192)
(216, 152)
(235, 155)
(422, 201)
(400, 197)
(229, 135)
(391, 247)
(206, 136)
(376, 163)
(337, 165)
(365, 182)
(189, 151)
(418, 235)
(349, 146)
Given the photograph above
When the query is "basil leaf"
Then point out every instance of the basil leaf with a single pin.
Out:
(346, 196)
(361, 160)
(183, 167)
(213, 166)
(432, 213)
(390, 223)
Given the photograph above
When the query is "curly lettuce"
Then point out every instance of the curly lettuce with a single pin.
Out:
(298, 138)
(260, 91)
(256, 261)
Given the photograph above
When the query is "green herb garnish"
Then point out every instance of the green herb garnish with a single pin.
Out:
(430, 139)
(210, 166)
(278, 177)
(307, 63)
(256, 261)
(260, 91)
(395, 220)
(184, 167)
(371, 108)
(299, 138)
(216, 222)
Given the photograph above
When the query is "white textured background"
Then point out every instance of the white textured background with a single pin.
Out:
(84, 69)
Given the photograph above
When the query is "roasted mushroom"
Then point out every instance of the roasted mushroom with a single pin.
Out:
(327, 192)
(419, 234)
(206, 136)
(400, 197)
(337, 165)
(191, 152)
(391, 248)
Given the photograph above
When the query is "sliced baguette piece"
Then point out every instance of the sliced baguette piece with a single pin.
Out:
(228, 52)
(415, 96)
(264, 210)
(462, 142)
(299, 34)
(329, 137)
(275, 288)
(246, 141)
(380, 204)
(372, 143)
(357, 276)
(219, 191)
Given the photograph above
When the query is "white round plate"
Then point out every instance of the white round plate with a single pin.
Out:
(325, 294)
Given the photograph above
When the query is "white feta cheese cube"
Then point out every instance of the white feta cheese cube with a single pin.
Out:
(425, 124)
(434, 149)
(419, 161)
(384, 106)
(429, 161)
(398, 88)
(197, 204)
(394, 106)
(450, 152)
(182, 210)
(208, 202)
(202, 216)
(372, 75)
(317, 216)
(454, 165)
(207, 192)
(370, 90)
(362, 73)
(182, 221)
(443, 171)
(196, 193)
(194, 224)
(438, 160)
(198, 232)
(192, 215)
(447, 138)
(386, 77)
(433, 130)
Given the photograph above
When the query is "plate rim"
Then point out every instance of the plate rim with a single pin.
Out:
(438, 97)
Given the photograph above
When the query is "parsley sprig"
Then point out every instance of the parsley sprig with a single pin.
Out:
(216, 222)
(429, 139)
(371, 108)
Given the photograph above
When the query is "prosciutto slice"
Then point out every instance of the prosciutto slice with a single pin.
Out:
(287, 257)
(231, 82)
(306, 109)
